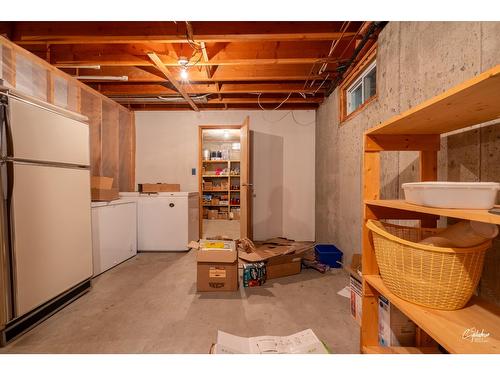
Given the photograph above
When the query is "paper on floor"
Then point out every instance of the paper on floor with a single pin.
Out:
(304, 342)
(346, 292)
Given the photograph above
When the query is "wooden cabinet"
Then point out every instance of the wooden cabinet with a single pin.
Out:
(472, 102)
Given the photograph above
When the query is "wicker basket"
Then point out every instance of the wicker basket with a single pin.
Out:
(436, 277)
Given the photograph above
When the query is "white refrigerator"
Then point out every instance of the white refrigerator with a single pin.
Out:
(46, 250)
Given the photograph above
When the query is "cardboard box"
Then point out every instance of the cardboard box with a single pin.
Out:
(394, 328)
(223, 215)
(286, 265)
(101, 182)
(217, 266)
(104, 195)
(159, 188)
(356, 292)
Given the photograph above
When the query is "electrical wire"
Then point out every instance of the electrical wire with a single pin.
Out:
(273, 109)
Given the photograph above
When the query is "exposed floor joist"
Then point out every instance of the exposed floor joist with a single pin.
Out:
(228, 62)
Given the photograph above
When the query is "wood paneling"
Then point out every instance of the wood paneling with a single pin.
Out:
(110, 143)
(126, 151)
(91, 107)
(110, 124)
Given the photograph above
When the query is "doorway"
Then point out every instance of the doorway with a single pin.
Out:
(225, 189)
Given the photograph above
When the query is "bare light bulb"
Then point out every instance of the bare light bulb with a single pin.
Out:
(184, 74)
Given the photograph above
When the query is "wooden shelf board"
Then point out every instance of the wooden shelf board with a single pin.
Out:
(214, 176)
(215, 161)
(235, 175)
(472, 102)
(234, 205)
(477, 215)
(215, 205)
(235, 191)
(399, 350)
(448, 327)
(215, 191)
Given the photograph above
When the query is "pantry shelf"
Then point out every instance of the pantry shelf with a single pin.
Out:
(476, 215)
(450, 328)
(215, 176)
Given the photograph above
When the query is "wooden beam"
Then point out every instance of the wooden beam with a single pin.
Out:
(407, 142)
(206, 59)
(217, 107)
(219, 53)
(265, 100)
(123, 60)
(116, 32)
(112, 39)
(154, 101)
(223, 73)
(157, 89)
(162, 68)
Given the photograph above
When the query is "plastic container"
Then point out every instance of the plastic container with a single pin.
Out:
(463, 195)
(329, 254)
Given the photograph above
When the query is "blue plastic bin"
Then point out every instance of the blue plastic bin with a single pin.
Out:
(329, 254)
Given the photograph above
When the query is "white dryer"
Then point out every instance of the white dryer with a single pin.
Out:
(166, 221)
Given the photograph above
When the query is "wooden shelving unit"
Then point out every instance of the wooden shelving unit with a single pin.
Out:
(418, 129)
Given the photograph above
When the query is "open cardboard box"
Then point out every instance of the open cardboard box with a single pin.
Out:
(217, 266)
(282, 256)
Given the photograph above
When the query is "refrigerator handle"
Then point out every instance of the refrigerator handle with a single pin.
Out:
(6, 143)
(3, 125)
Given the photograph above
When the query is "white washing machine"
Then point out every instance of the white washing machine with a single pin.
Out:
(166, 221)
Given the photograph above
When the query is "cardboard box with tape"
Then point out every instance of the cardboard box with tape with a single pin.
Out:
(159, 188)
(217, 266)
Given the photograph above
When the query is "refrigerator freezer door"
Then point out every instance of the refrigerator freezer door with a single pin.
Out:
(52, 243)
(41, 134)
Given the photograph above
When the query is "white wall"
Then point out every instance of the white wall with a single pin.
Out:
(167, 149)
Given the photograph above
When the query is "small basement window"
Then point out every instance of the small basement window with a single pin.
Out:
(362, 89)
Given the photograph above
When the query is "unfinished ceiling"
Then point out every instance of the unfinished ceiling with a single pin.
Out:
(230, 65)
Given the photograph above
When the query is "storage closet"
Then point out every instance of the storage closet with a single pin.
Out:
(223, 164)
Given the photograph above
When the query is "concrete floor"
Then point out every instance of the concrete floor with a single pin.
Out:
(149, 304)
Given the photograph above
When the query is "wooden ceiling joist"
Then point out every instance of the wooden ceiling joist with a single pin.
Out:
(171, 32)
(154, 101)
(230, 61)
(162, 68)
(121, 60)
(111, 89)
(222, 74)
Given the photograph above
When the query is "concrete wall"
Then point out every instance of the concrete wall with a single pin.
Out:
(282, 157)
(415, 61)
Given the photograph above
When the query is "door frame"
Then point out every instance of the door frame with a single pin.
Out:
(200, 168)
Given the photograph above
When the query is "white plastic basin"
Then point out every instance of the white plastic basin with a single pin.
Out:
(464, 195)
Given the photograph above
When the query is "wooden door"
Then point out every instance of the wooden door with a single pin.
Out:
(246, 187)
